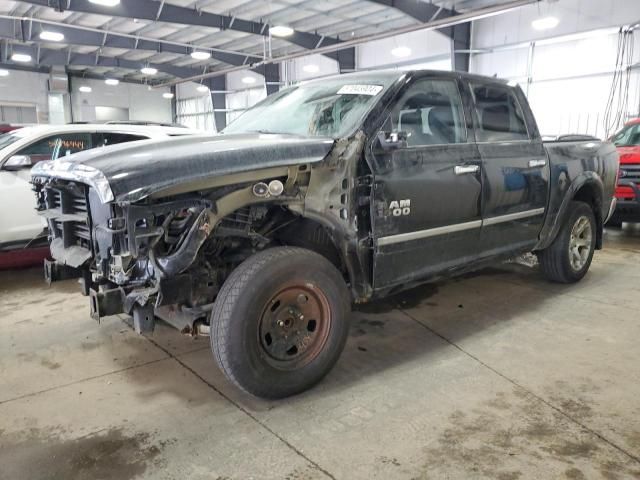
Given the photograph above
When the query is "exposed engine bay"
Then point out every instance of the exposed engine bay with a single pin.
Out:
(161, 254)
(167, 256)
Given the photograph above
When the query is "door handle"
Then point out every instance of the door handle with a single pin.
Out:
(537, 163)
(464, 169)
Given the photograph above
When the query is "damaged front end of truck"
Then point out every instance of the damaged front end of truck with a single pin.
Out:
(154, 230)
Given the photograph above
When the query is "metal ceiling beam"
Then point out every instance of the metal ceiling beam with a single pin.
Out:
(164, 12)
(51, 57)
(460, 35)
(72, 73)
(22, 29)
(422, 11)
(438, 24)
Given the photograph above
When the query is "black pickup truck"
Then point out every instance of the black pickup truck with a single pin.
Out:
(331, 192)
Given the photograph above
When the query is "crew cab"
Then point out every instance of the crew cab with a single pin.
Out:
(22, 148)
(330, 192)
(627, 141)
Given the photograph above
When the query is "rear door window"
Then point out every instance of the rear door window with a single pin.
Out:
(113, 138)
(499, 114)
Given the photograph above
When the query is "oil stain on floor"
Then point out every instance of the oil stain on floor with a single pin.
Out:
(512, 431)
(111, 453)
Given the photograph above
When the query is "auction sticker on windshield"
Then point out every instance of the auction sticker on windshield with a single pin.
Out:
(360, 90)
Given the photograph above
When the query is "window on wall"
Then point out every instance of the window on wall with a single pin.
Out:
(196, 112)
(238, 102)
(17, 114)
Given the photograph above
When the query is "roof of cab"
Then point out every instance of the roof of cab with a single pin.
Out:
(395, 73)
(151, 130)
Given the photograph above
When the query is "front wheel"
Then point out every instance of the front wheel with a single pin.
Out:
(568, 258)
(280, 322)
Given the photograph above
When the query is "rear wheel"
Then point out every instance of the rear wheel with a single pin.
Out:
(280, 322)
(569, 257)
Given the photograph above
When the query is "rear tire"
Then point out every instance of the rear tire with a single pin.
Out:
(568, 258)
(280, 322)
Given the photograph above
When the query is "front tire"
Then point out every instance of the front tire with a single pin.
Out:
(568, 258)
(280, 322)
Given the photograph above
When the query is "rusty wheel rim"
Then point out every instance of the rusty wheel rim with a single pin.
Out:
(294, 326)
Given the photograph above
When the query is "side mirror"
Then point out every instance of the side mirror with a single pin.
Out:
(18, 162)
(392, 140)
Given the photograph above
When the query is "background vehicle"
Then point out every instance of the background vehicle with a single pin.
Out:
(344, 189)
(21, 149)
(10, 127)
(569, 137)
(627, 141)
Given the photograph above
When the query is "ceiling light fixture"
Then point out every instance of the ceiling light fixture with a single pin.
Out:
(106, 3)
(167, 95)
(51, 36)
(203, 88)
(85, 89)
(248, 80)
(112, 81)
(401, 52)
(311, 68)
(200, 55)
(4, 73)
(545, 23)
(148, 70)
(281, 31)
(21, 57)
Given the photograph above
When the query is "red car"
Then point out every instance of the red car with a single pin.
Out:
(628, 190)
(7, 127)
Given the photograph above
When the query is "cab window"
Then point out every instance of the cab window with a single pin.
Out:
(499, 114)
(430, 113)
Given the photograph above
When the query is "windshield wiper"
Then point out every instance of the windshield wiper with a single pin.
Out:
(265, 131)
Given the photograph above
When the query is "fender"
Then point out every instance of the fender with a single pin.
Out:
(556, 211)
(330, 200)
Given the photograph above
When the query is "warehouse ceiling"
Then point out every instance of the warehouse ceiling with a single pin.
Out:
(116, 41)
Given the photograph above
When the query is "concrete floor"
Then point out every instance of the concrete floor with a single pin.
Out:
(496, 375)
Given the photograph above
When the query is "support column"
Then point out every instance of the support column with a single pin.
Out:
(218, 87)
(347, 60)
(461, 40)
(271, 73)
(174, 104)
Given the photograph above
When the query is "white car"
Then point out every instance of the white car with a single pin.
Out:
(20, 225)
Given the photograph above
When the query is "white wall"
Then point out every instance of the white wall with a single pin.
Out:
(143, 103)
(194, 109)
(574, 15)
(567, 72)
(26, 89)
(247, 94)
(426, 47)
(293, 70)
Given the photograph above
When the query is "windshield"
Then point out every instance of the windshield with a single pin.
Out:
(629, 136)
(7, 139)
(332, 108)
